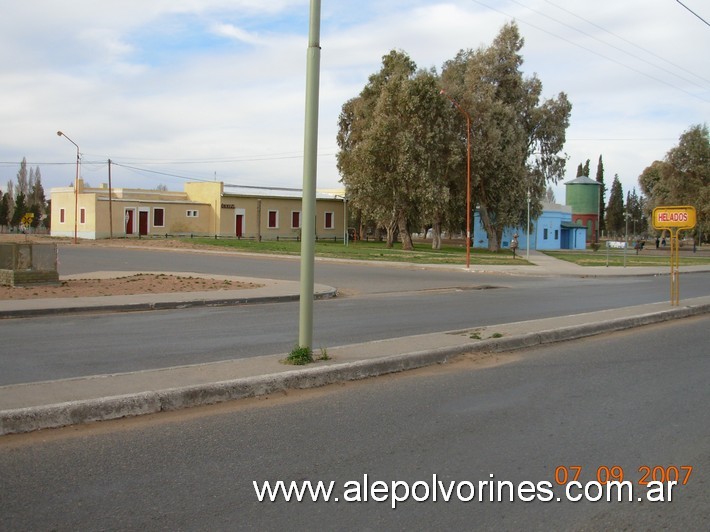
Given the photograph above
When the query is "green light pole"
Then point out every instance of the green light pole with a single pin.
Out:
(310, 156)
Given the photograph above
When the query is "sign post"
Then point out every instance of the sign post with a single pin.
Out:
(674, 220)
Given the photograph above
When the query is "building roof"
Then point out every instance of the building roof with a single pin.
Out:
(555, 207)
(272, 192)
(570, 225)
(583, 180)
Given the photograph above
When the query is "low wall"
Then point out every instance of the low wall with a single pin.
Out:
(23, 263)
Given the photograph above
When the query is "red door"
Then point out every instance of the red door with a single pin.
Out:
(129, 221)
(240, 225)
(143, 223)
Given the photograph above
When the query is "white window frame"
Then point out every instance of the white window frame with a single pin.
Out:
(299, 220)
(268, 219)
(153, 220)
(332, 220)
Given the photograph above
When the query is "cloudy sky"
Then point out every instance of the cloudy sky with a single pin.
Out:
(173, 90)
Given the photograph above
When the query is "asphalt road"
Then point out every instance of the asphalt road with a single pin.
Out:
(634, 399)
(382, 303)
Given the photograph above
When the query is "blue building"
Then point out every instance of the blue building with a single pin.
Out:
(553, 230)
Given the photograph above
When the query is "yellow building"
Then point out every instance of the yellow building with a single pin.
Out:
(202, 209)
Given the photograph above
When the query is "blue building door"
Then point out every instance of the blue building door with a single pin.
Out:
(565, 239)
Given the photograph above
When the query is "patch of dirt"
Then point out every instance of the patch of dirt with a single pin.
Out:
(130, 285)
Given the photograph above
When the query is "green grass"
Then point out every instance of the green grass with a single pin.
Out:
(616, 258)
(299, 356)
(373, 251)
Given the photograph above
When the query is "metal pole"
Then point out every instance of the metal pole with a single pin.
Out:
(626, 236)
(527, 248)
(310, 155)
(110, 202)
(345, 218)
(76, 184)
(468, 189)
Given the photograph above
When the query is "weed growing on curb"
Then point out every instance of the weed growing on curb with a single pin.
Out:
(478, 335)
(299, 356)
(323, 354)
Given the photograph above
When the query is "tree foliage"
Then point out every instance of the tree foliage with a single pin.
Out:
(403, 149)
(516, 136)
(635, 211)
(19, 211)
(615, 209)
(396, 148)
(24, 195)
(683, 177)
(602, 193)
(583, 169)
(5, 210)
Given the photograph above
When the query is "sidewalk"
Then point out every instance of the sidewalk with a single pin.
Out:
(39, 405)
(545, 265)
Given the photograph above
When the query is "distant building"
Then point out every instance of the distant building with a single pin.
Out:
(202, 209)
(553, 230)
(582, 195)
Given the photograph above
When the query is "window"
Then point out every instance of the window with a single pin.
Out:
(295, 219)
(82, 215)
(193, 214)
(544, 234)
(557, 234)
(273, 219)
(329, 219)
(158, 217)
(61, 216)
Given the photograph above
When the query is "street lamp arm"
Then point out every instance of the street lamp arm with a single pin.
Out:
(456, 104)
(60, 134)
(76, 185)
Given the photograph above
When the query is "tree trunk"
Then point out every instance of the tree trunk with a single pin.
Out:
(490, 229)
(436, 235)
(404, 233)
(378, 233)
(391, 232)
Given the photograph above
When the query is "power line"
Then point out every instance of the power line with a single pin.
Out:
(160, 173)
(629, 67)
(693, 12)
(628, 42)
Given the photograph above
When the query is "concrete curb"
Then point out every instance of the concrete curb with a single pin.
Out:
(107, 408)
(159, 305)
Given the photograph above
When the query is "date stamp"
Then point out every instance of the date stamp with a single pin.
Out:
(615, 483)
(643, 476)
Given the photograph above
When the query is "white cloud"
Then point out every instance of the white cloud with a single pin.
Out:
(224, 80)
(232, 32)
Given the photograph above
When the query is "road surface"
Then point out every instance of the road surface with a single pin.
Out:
(634, 400)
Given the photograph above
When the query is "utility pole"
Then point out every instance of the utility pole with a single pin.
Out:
(310, 160)
(110, 202)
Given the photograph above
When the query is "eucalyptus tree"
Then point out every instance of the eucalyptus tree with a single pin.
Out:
(517, 138)
(397, 148)
(683, 177)
(360, 165)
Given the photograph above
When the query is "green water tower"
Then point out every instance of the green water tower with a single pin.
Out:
(582, 194)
